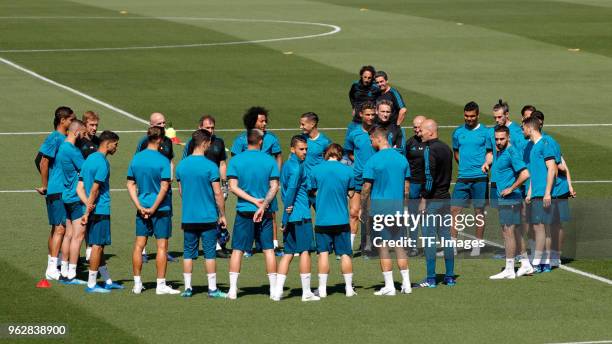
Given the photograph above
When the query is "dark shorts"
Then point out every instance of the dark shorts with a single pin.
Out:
(337, 239)
(245, 231)
(561, 210)
(466, 191)
(74, 210)
(98, 230)
(298, 237)
(191, 240)
(510, 214)
(56, 213)
(539, 214)
(160, 225)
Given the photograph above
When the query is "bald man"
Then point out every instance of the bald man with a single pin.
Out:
(438, 169)
(157, 119)
(415, 147)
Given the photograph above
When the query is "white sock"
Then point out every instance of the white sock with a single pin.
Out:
(72, 271)
(305, 284)
(352, 239)
(91, 281)
(161, 282)
(348, 281)
(537, 258)
(272, 280)
(280, 282)
(323, 283)
(218, 247)
(87, 253)
(546, 257)
(405, 277)
(510, 264)
(388, 277)
(64, 269)
(531, 244)
(275, 244)
(137, 281)
(233, 277)
(52, 265)
(105, 275)
(525, 261)
(187, 278)
(212, 281)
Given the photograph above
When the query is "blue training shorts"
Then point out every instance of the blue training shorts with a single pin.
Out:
(245, 231)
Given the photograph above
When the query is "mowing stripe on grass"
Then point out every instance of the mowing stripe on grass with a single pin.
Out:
(566, 125)
(562, 267)
(72, 90)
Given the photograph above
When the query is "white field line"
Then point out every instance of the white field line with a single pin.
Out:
(566, 125)
(72, 90)
(562, 267)
(590, 342)
(334, 29)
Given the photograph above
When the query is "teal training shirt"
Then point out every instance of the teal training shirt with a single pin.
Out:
(196, 174)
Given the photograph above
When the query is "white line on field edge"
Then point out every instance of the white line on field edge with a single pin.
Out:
(589, 342)
(72, 90)
(334, 29)
(562, 267)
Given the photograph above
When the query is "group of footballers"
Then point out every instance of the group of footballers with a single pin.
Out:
(379, 169)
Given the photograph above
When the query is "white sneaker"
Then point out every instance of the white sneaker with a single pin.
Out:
(506, 274)
(406, 289)
(138, 289)
(385, 292)
(350, 292)
(475, 252)
(320, 294)
(276, 296)
(232, 294)
(310, 297)
(525, 270)
(52, 274)
(166, 290)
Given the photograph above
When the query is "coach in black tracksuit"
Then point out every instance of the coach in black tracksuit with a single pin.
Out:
(438, 169)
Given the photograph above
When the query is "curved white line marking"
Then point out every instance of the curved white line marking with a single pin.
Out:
(334, 29)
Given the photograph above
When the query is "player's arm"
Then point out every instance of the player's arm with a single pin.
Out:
(488, 162)
(223, 175)
(456, 155)
(522, 177)
(565, 169)
(171, 170)
(220, 201)
(133, 192)
(365, 197)
(163, 191)
(236, 190)
(279, 160)
(401, 115)
(550, 180)
(258, 216)
(93, 197)
(44, 175)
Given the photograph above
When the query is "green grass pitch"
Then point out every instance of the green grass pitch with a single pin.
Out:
(556, 55)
